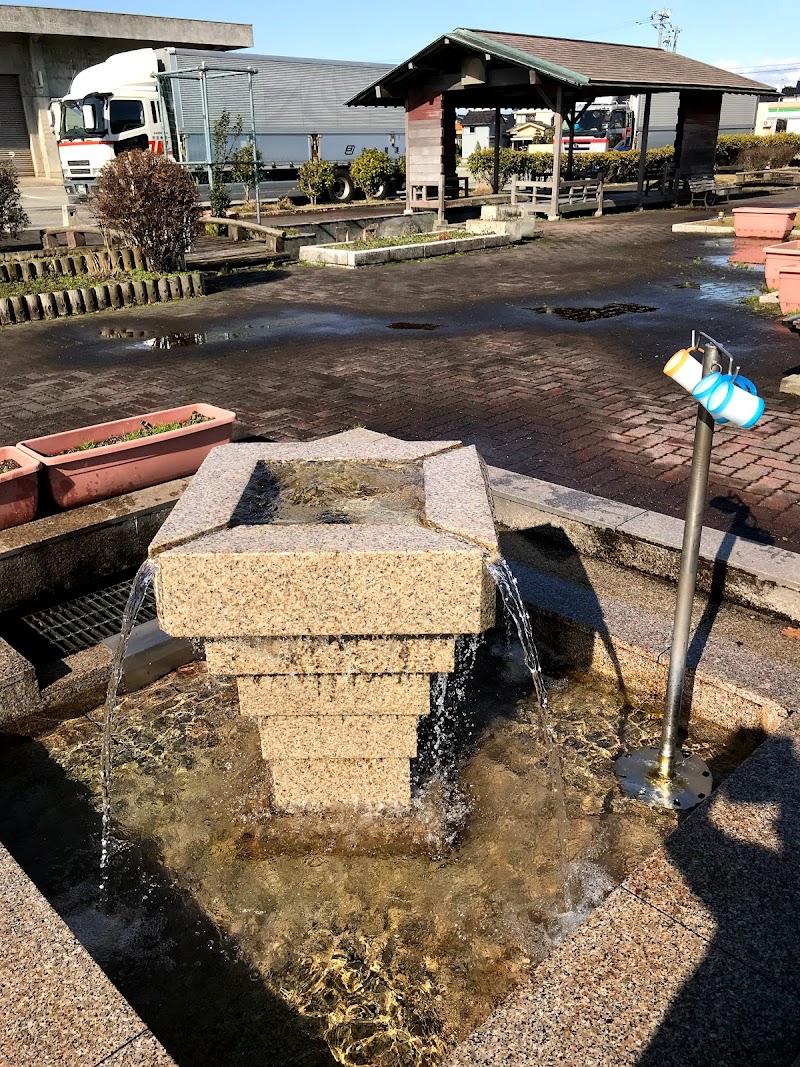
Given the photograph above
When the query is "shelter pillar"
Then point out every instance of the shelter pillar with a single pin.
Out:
(430, 148)
(558, 122)
(696, 137)
(648, 99)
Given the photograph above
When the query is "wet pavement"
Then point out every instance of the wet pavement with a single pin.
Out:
(300, 351)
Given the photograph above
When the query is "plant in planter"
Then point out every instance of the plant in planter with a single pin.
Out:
(374, 173)
(19, 487)
(96, 462)
(773, 223)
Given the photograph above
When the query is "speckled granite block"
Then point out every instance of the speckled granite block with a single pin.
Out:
(457, 497)
(369, 783)
(144, 1051)
(330, 655)
(632, 988)
(311, 737)
(19, 691)
(57, 1008)
(327, 694)
(293, 580)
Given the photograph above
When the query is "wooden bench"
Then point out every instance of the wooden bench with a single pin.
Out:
(573, 196)
(705, 190)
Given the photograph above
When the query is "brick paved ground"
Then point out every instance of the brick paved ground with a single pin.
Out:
(305, 351)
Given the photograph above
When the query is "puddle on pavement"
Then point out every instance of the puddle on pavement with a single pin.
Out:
(414, 325)
(590, 314)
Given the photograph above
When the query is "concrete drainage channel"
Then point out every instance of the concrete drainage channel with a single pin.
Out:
(597, 576)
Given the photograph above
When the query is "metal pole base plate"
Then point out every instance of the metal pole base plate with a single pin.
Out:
(637, 774)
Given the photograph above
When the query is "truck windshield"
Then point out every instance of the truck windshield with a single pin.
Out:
(72, 122)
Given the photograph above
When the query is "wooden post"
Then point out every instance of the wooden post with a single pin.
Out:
(409, 210)
(496, 173)
(643, 152)
(600, 187)
(571, 119)
(513, 189)
(558, 121)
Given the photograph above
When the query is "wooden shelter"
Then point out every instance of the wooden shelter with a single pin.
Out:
(488, 69)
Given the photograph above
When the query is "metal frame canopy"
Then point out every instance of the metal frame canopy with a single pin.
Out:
(486, 68)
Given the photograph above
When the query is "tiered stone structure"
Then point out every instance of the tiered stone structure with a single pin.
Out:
(332, 629)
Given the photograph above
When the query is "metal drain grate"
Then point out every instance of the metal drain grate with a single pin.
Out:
(87, 620)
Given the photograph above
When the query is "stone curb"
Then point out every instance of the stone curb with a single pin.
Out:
(706, 227)
(369, 257)
(27, 266)
(33, 307)
(755, 575)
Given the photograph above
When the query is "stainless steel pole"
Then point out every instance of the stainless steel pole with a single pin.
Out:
(206, 124)
(690, 553)
(255, 148)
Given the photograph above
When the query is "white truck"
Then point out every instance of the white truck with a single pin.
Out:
(133, 100)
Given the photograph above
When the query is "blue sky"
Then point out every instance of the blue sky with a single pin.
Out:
(730, 33)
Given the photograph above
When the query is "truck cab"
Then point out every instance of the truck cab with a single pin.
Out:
(112, 107)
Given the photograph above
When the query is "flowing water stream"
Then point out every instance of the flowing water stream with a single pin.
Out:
(512, 598)
(141, 583)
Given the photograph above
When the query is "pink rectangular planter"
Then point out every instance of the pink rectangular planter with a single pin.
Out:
(19, 489)
(778, 257)
(771, 222)
(99, 473)
(789, 289)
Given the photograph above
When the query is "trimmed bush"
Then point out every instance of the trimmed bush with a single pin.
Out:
(242, 169)
(752, 151)
(315, 178)
(12, 217)
(372, 170)
(481, 164)
(152, 203)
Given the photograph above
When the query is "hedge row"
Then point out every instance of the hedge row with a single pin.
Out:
(748, 151)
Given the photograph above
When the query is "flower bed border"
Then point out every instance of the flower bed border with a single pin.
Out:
(352, 258)
(33, 307)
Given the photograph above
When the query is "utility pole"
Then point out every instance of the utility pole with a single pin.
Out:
(661, 22)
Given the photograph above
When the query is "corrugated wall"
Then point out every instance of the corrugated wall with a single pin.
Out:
(292, 96)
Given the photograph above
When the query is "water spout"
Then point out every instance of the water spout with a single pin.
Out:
(141, 583)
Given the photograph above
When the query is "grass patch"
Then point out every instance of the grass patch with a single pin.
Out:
(56, 283)
(409, 239)
(754, 303)
(147, 429)
(7, 465)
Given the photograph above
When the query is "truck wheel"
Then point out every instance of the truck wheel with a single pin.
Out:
(383, 191)
(342, 191)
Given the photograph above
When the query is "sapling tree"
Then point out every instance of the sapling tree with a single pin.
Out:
(12, 216)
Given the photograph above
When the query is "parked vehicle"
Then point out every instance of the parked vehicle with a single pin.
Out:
(131, 101)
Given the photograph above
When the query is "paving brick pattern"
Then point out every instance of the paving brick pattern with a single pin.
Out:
(584, 404)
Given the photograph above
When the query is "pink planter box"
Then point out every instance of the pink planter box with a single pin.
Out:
(789, 289)
(778, 258)
(19, 489)
(772, 222)
(98, 473)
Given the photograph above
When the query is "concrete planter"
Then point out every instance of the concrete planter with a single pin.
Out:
(19, 489)
(769, 222)
(352, 258)
(789, 288)
(95, 474)
(778, 258)
(35, 306)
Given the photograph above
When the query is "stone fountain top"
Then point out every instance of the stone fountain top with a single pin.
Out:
(416, 566)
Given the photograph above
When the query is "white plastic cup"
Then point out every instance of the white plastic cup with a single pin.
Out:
(684, 369)
(728, 402)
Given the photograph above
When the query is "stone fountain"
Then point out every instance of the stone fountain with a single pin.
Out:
(330, 579)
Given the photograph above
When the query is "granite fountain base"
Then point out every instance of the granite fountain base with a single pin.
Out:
(330, 579)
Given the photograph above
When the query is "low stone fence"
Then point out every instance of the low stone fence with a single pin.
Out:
(26, 267)
(354, 257)
(113, 294)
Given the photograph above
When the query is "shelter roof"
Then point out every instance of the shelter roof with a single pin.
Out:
(595, 67)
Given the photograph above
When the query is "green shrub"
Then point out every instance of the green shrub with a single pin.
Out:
(242, 169)
(372, 170)
(481, 164)
(315, 178)
(12, 217)
(614, 166)
(755, 152)
(224, 133)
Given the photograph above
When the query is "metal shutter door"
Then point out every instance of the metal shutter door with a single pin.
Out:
(13, 128)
